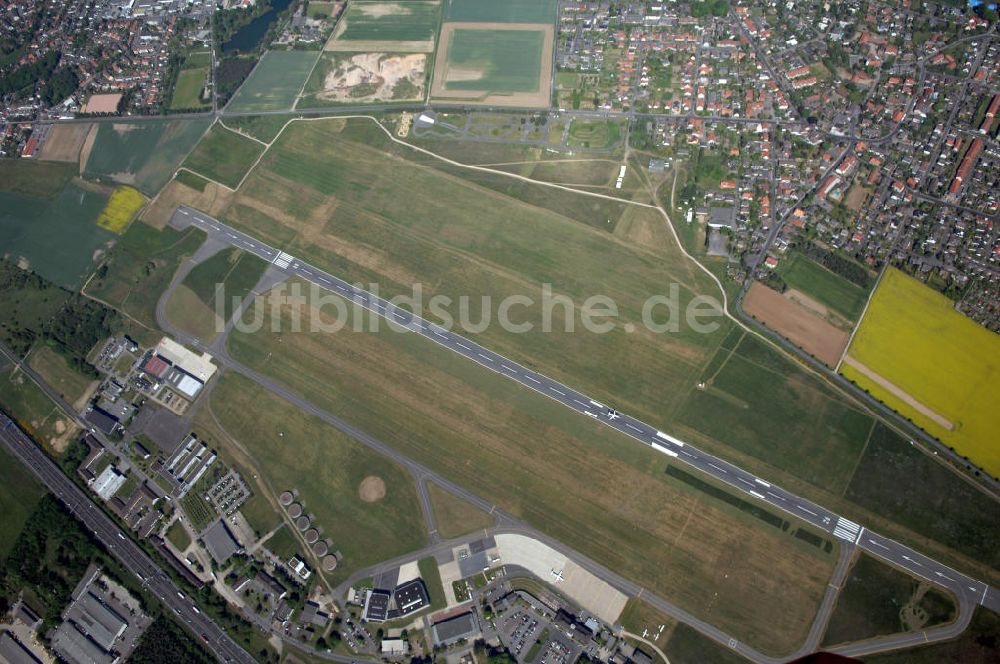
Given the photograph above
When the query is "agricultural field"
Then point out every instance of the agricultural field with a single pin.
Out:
(262, 127)
(223, 156)
(455, 517)
(139, 269)
(275, 82)
(122, 207)
(487, 63)
(932, 364)
(509, 11)
(19, 494)
(407, 26)
(326, 467)
(786, 314)
(142, 154)
(365, 77)
(467, 423)
(54, 233)
(319, 9)
(831, 290)
(65, 142)
(878, 600)
(57, 372)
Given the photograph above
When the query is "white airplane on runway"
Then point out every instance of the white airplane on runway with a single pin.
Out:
(558, 576)
(613, 414)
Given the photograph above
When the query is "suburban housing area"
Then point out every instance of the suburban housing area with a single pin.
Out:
(481, 332)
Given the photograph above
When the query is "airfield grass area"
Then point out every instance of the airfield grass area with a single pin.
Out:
(223, 156)
(143, 154)
(121, 209)
(231, 273)
(408, 21)
(976, 645)
(275, 82)
(57, 372)
(296, 450)
(467, 423)
(877, 600)
(912, 337)
(509, 11)
(139, 269)
(19, 494)
(55, 234)
(455, 517)
(186, 311)
(832, 290)
(641, 618)
(188, 88)
(688, 645)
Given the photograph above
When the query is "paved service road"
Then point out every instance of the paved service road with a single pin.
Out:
(118, 543)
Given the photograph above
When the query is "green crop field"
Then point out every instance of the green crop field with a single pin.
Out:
(35, 179)
(275, 82)
(58, 237)
(19, 494)
(223, 156)
(143, 154)
(467, 423)
(390, 21)
(140, 268)
(188, 89)
(262, 127)
(831, 290)
(508, 11)
(873, 603)
(505, 60)
(298, 451)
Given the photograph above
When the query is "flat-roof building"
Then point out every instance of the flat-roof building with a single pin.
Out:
(411, 596)
(376, 605)
(13, 651)
(102, 420)
(458, 627)
(220, 542)
(97, 620)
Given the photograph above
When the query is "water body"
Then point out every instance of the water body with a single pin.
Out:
(249, 36)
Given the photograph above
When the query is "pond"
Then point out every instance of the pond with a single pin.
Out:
(249, 36)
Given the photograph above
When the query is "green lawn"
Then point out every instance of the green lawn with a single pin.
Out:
(367, 21)
(508, 11)
(178, 536)
(872, 600)
(831, 290)
(144, 154)
(299, 451)
(594, 134)
(274, 82)
(510, 60)
(432, 580)
(197, 59)
(58, 373)
(25, 402)
(188, 88)
(454, 516)
(224, 156)
(19, 494)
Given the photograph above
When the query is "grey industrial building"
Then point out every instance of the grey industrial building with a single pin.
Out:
(458, 627)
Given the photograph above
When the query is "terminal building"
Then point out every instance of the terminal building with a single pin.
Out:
(407, 598)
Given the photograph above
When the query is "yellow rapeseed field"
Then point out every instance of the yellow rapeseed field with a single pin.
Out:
(121, 209)
(912, 336)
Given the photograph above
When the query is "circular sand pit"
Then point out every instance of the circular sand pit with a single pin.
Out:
(302, 522)
(311, 535)
(286, 498)
(372, 489)
(295, 510)
(321, 549)
(330, 563)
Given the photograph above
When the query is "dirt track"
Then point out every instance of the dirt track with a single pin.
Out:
(539, 98)
(899, 393)
(795, 322)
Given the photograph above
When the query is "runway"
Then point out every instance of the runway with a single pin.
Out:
(968, 590)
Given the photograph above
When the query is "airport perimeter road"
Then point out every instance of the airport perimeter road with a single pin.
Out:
(118, 544)
(967, 588)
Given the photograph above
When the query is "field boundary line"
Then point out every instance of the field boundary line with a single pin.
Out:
(861, 319)
(854, 471)
(305, 82)
(204, 177)
(241, 133)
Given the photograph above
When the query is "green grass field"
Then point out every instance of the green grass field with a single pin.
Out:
(594, 134)
(976, 645)
(832, 290)
(231, 271)
(390, 21)
(223, 156)
(53, 367)
(506, 60)
(467, 423)
(454, 516)
(872, 603)
(687, 645)
(143, 154)
(178, 536)
(188, 89)
(509, 11)
(912, 336)
(638, 617)
(327, 468)
(319, 8)
(19, 494)
(58, 237)
(274, 82)
(262, 127)
(140, 268)
(30, 407)
(35, 179)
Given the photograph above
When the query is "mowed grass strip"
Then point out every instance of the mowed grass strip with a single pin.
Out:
(224, 156)
(912, 336)
(274, 82)
(828, 288)
(295, 450)
(494, 60)
(586, 485)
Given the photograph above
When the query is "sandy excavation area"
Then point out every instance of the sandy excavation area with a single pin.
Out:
(375, 77)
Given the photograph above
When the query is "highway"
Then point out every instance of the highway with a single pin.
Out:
(118, 544)
(968, 590)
